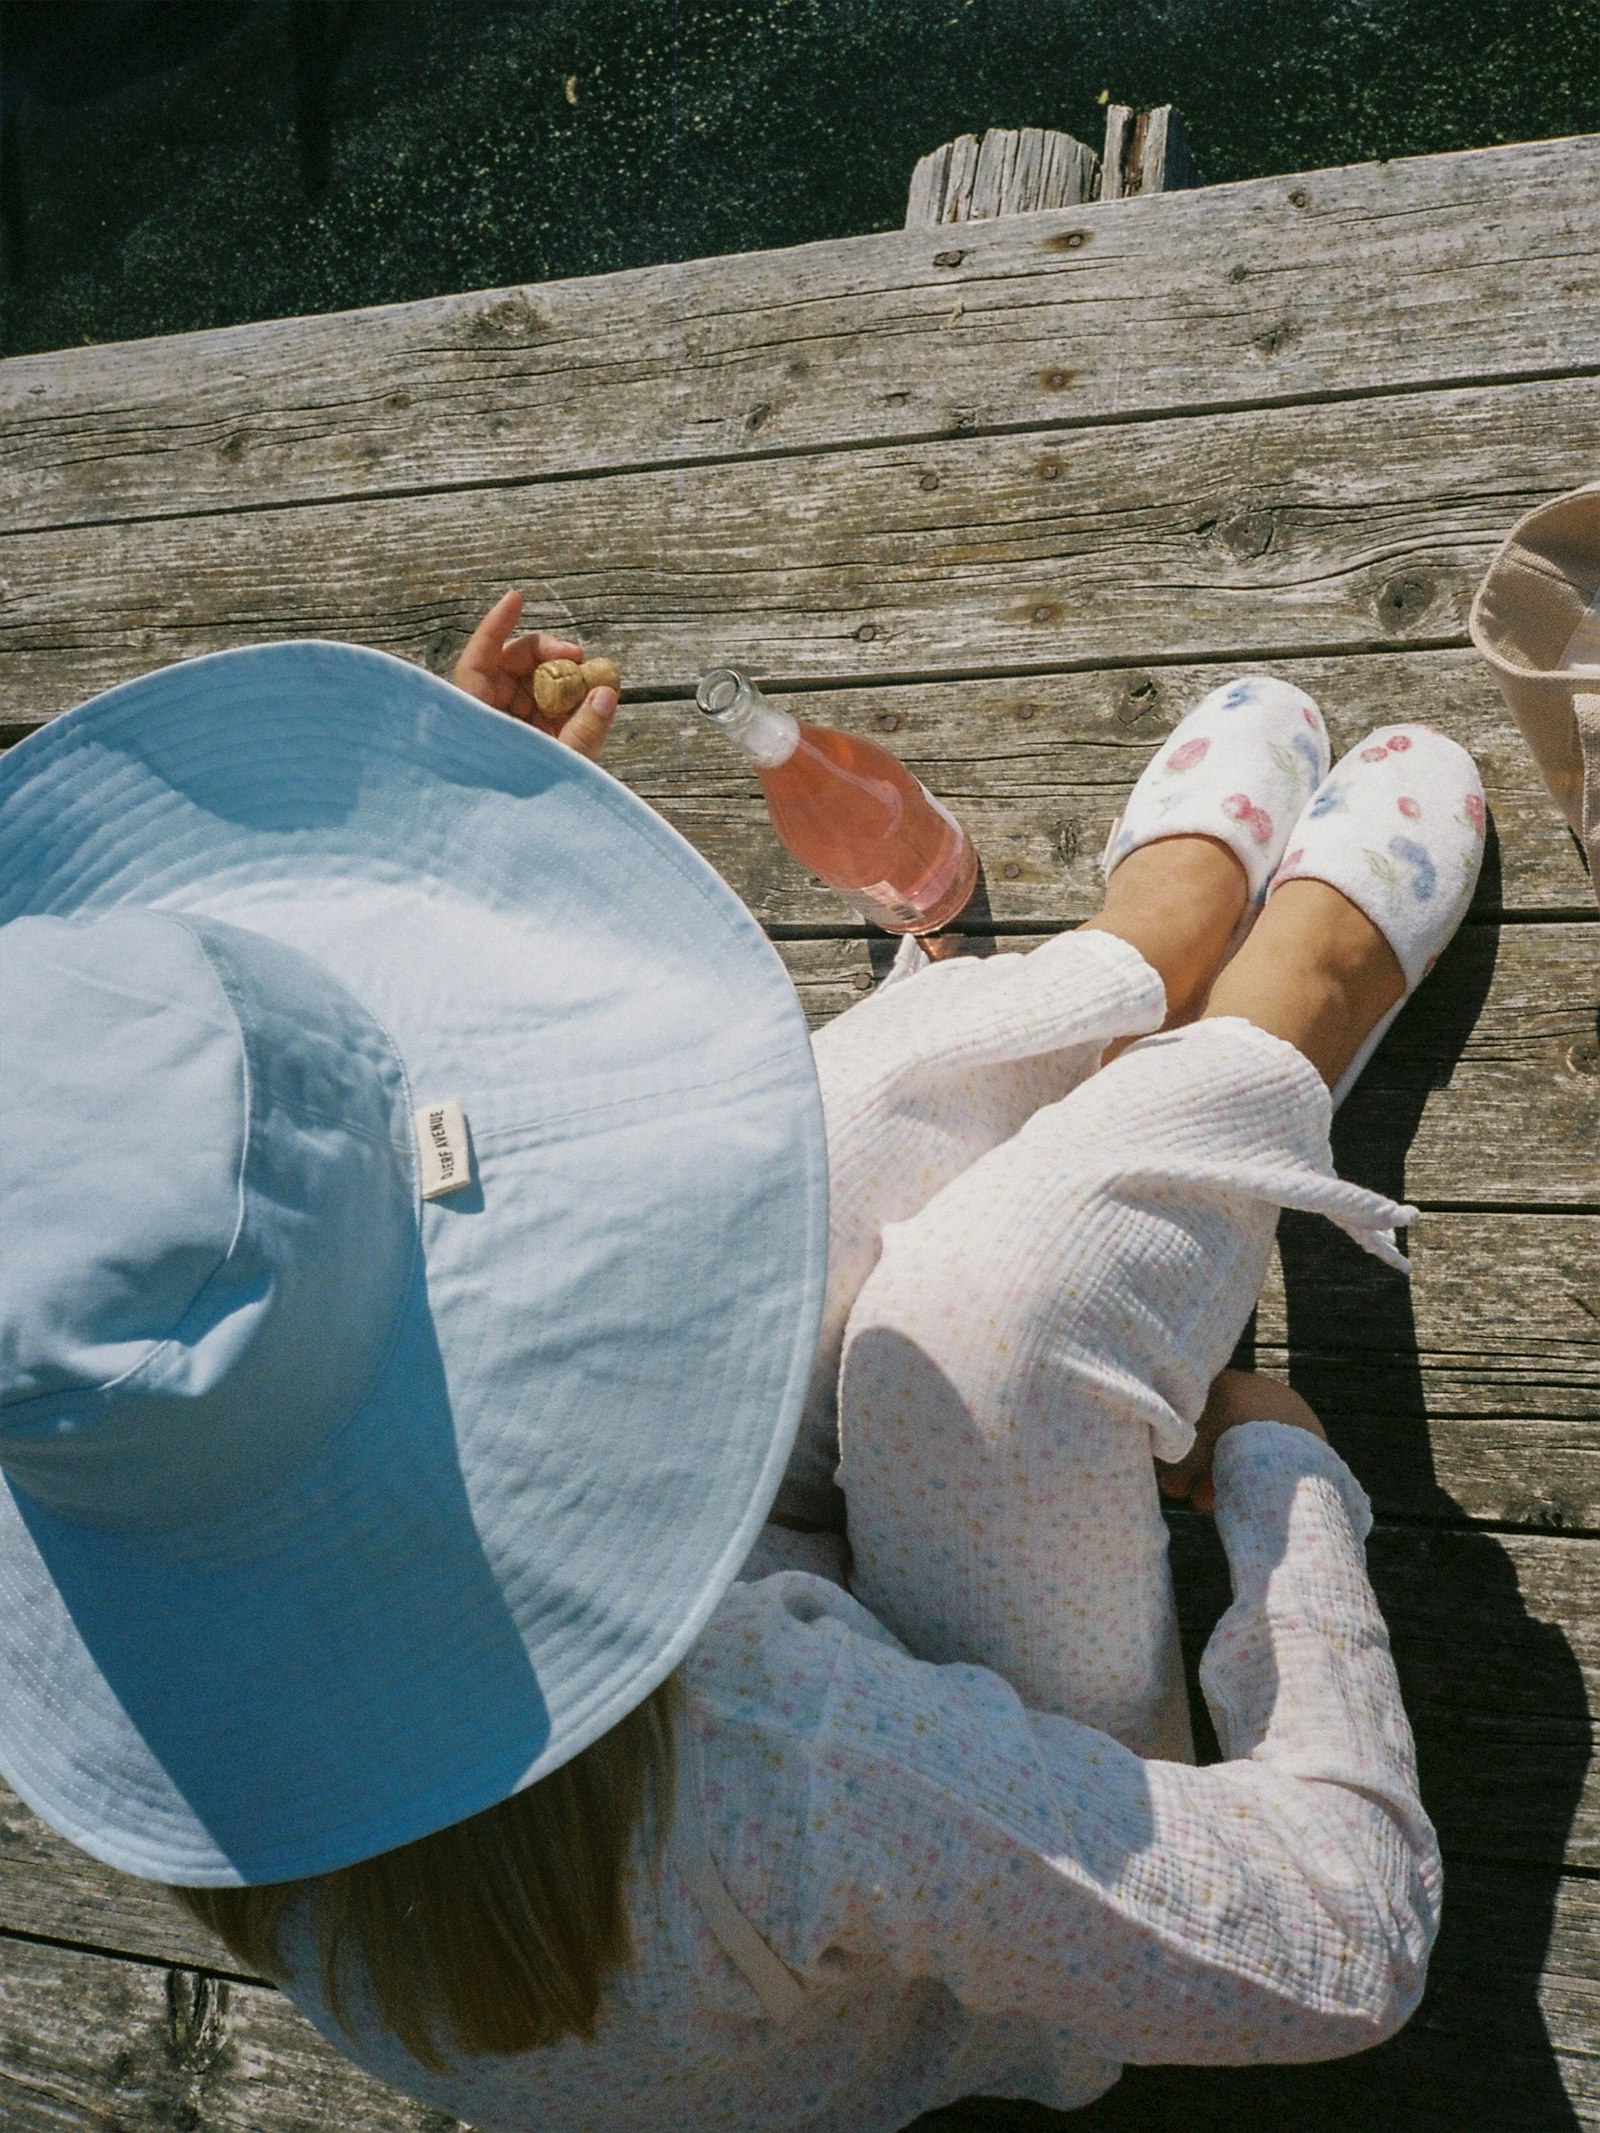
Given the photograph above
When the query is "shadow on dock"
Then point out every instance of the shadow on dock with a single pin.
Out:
(1496, 1696)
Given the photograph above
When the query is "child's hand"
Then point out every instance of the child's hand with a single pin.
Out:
(1237, 1396)
(497, 669)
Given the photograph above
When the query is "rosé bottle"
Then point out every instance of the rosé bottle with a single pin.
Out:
(849, 811)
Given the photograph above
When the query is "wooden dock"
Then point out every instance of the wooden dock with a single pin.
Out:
(1007, 496)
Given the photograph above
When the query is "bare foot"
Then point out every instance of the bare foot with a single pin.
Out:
(1177, 901)
(1315, 971)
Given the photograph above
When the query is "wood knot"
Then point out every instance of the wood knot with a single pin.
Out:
(513, 318)
(888, 722)
(1249, 534)
(1051, 470)
(197, 2019)
(866, 633)
(1011, 871)
(1045, 612)
(233, 448)
(1068, 240)
(1065, 839)
(1276, 338)
(1299, 197)
(1404, 598)
(1056, 381)
(948, 259)
(1139, 702)
(930, 480)
(759, 415)
(1583, 1058)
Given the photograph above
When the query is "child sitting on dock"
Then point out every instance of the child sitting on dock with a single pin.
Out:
(445, 1249)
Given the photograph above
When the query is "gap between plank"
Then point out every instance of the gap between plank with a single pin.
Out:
(133, 1955)
(644, 697)
(1042, 670)
(1418, 1522)
(989, 929)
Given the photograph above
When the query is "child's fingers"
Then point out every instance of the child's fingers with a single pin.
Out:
(523, 654)
(588, 726)
(483, 647)
(1177, 1477)
(548, 647)
(520, 656)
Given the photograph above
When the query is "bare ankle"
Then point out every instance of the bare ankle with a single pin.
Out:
(1177, 901)
(1316, 971)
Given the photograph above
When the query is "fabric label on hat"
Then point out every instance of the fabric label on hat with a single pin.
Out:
(444, 1154)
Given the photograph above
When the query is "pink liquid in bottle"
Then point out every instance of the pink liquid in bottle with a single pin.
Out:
(848, 811)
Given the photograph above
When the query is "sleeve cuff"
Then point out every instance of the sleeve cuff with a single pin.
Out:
(1258, 1469)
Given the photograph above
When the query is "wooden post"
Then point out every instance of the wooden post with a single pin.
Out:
(1145, 152)
(1010, 172)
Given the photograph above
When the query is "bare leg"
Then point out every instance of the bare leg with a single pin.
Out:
(1177, 901)
(1315, 971)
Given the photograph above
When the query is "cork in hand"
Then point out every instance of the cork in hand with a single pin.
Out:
(560, 685)
(508, 673)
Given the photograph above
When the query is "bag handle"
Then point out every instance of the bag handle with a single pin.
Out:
(1586, 710)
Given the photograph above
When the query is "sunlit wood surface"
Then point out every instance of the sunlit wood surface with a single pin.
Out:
(1007, 497)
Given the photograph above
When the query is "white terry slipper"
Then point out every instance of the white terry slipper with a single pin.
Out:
(1397, 826)
(1239, 767)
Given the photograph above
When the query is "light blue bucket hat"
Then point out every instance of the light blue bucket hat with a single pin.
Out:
(412, 1235)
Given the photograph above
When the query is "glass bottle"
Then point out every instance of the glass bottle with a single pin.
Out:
(849, 811)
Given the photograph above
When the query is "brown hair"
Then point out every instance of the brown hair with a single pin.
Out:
(499, 1933)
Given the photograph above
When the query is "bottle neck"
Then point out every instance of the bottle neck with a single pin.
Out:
(739, 711)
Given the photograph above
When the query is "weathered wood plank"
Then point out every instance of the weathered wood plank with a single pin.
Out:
(1471, 1391)
(1459, 267)
(48, 1886)
(1348, 526)
(1496, 1639)
(1038, 769)
(1485, 1091)
(91, 2043)
(1494, 2048)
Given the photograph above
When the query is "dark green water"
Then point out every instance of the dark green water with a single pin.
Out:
(468, 143)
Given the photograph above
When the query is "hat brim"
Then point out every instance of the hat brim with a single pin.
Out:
(597, 1381)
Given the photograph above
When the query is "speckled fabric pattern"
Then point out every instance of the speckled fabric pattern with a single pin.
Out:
(959, 1802)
